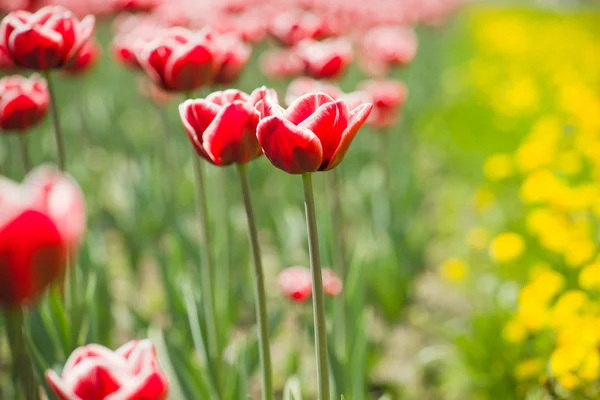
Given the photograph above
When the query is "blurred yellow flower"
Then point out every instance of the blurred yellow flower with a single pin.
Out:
(478, 238)
(529, 368)
(454, 269)
(568, 306)
(570, 162)
(569, 381)
(566, 359)
(514, 332)
(507, 247)
(498, 167)
(539, 186)
(589, 277)
(579, 252)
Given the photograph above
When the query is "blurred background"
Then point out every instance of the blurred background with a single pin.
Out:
(470, 223)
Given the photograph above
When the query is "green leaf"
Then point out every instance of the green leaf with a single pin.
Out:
(40, 366)
(292, 389)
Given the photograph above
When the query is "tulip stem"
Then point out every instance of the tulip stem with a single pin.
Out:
(23, 368)
(60, 148)
(317, 288)
(261, 301)
(24, 145)
(207, 271)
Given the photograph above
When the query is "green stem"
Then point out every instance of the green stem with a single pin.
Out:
(23, 368)
(24, 145)
(340, 257)
(207, 271)
(60, 148)
(317, 288)
(261, 301)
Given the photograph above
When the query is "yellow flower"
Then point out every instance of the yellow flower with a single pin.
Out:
(529, 368)
(514, 332)
(454, 270)
(569, 381)
(539, 186)
(567, 307)
(498, 167)
(478, 238)
(579, 252)
(546, 284)
(589, 369)
(507, 247)
(533, 315)
(589, 277)
(569, 162)
(566, 359)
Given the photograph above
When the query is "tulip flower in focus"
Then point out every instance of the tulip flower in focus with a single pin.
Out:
(386, 46)
(327, 58)
(85, 60)
(131, 372)
(293, 26)
(295, 283)
(234, 55)
(281, 64)
(313, 134)
(388, 97)
(49, 38)
(23, 102)
(222, 127)
(180, 60)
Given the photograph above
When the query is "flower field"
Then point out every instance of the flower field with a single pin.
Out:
(299, 200)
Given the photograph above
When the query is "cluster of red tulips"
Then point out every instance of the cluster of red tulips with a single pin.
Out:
(42, 220)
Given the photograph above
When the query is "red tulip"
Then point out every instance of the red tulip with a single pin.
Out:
(131, 372)
(57, 195)
(133, 33)
(222, 127)
(325, 59)
(388, 96)
(280, 64)
(23, 101)
(313, 134)
(47, 39)
(180, 60)
(86, 58)
(291, 27)
(387, 46)
(31, 253)
(295, 283)
(134, 5)
(332, 284)
(303, 85)
(234, 55)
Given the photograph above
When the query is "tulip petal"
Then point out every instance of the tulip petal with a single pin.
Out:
(36, 47)
(196, 116)
(59, 387)
(268, 107)
(95, 378)
(305, 106)
(358, 116)
(153, 60)
(91, 351)
(231, 137)
(189, 67)
(328, 123)
(227, 96)
(64, 24)
(288, 147)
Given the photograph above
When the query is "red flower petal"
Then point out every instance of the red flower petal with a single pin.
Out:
(19, 111)
(305, 106)
(328, 123)
(196, 116)
(231, 137)
(227, 96)
(189, 67)
(59, 386)
(358, 116)
(96, 379)
(288, 147)
(36, 47)
(65, 25)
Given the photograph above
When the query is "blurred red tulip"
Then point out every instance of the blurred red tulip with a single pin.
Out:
(180, 60)
(222, 127)
(49, 38)
(86, 58)
(31, 253)
(332, 284)
(133, 33)
(131, 372)
(23, 102)
(60, 197)
(303, 85)
(325, 59)
(313, 134)
(387, 46)
(134, 5)
(281, 63)
(388, 97)
(234, 55)
(292, 26)
(295, 283)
